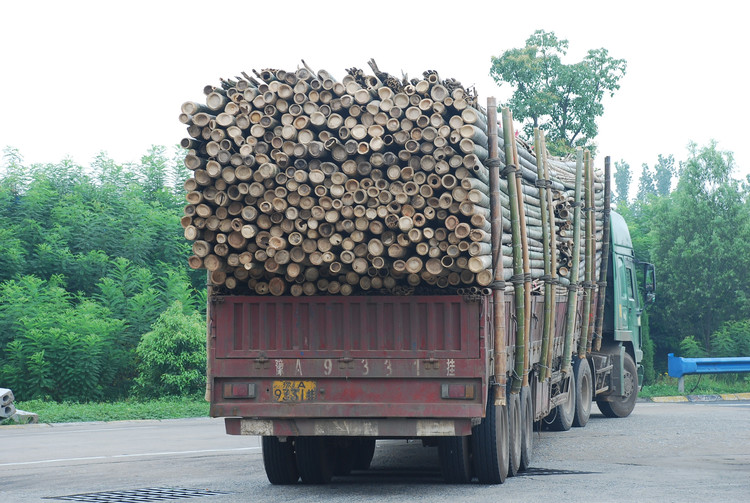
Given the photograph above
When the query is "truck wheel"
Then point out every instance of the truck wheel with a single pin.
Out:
(364, 450)
(279, 461)
(455, 459)
(489, 441)
(515, 433)
(314, 459)
(565, 411)
(527, 427)
(622, 406)
(584, 389)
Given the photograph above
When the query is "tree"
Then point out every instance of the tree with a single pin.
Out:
(172, 357)
(663, 172)
(623, 177)
(701, 247)
(562, 99)
(646, 186)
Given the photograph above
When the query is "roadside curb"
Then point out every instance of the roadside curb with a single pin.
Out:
(700, 398)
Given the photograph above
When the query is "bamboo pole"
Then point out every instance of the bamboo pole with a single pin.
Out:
(546, 357)
(499, 336)
(573, 286)
(548, 299)
(605, 259)
(518, 276)
(589, 253)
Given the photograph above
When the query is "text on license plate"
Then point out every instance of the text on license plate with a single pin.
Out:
(294, 391)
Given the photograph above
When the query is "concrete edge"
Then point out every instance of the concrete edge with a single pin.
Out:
(699, 398)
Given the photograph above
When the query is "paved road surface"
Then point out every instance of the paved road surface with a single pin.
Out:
(663, 452)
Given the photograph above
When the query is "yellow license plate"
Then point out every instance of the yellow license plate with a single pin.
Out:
(294, 391)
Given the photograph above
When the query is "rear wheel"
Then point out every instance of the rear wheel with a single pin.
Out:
(565, 411)
(455, 459)
(515, 433)
(314, 459)
(279, 461)
(490, 450)
(584, 390)
(527, 427)
(622, 406)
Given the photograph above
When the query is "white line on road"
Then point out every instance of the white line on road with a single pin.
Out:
(118, 456)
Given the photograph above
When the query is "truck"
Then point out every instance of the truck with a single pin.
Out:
(470, 369)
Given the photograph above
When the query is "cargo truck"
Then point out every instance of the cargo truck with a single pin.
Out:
(321, 378)
(379, 269)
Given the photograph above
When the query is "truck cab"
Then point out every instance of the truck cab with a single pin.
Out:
(622, 336)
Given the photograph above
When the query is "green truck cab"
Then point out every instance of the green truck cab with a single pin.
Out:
(622, 338)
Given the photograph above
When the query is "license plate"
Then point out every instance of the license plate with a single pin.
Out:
(294, 391)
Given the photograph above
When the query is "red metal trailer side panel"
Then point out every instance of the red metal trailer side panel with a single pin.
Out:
(349, 357)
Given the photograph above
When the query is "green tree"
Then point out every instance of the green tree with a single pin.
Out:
(65, 351)
(700, 243)
(663, 173)
(622, 177)
(646, 185)
(562, 99)
(172, 357)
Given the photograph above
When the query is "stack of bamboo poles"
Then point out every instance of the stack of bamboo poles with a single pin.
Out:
(303, 185)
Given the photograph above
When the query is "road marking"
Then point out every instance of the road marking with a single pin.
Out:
(120, 456)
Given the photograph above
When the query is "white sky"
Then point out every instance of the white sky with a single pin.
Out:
(80, 77)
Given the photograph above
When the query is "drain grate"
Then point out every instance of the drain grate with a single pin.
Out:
(139, 495)
(552, 471)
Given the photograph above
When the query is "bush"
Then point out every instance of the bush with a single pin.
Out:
(172, 357)
(65, 352)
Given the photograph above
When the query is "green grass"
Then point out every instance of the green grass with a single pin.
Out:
(697, 385)
(163, 408)
(180, 407)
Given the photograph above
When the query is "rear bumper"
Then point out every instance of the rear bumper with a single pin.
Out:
(384, 427)
(356, 399)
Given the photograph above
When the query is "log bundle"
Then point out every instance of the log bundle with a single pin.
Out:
(306, 185)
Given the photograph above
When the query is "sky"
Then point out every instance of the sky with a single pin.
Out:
(83, 77)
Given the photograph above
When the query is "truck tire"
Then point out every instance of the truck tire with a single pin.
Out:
(279, 461)
(622, 406)
(514, 434)
(364, 450)
(584, 389)
(455, 459)
(527, 427)
(565, 411)
(489, 441)
(314, 459)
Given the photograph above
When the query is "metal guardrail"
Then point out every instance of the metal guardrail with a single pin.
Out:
(680, 367)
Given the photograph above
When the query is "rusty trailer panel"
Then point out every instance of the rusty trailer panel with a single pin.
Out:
(358, 327)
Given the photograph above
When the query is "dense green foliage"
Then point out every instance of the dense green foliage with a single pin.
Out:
(560, 98)
(172, 357)
(698, 237)
(89, 260)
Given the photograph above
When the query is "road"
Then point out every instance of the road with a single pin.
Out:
(663, 452)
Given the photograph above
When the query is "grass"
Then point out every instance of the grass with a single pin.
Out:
(697, 385)
(163, 408)
(181, 407)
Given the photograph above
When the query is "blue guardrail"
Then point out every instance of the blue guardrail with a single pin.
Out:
(679, 367)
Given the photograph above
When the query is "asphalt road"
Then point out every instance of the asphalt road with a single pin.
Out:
(663, 452)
